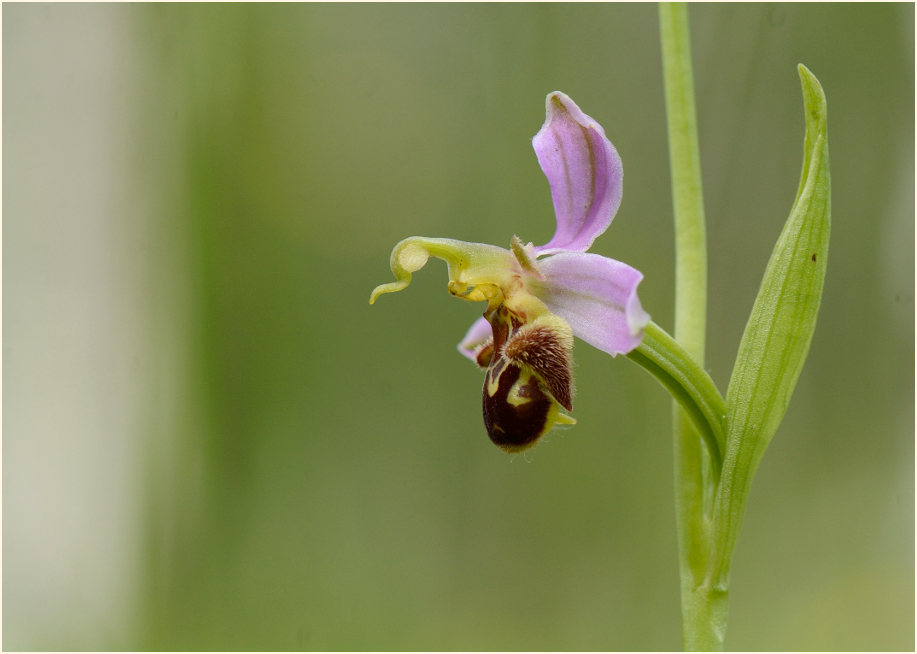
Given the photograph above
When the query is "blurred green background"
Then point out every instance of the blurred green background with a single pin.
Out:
(212, 441)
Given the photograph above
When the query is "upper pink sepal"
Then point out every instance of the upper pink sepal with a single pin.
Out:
(584, 172)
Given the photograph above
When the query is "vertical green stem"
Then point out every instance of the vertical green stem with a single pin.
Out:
(687, 195)
(703, 611)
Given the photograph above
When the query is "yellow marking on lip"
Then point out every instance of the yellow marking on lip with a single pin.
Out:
(513, 398)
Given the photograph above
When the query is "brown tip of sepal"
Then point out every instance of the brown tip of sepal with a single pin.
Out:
(484, 354)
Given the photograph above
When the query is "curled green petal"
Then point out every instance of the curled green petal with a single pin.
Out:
(779, 330)
(476, 270)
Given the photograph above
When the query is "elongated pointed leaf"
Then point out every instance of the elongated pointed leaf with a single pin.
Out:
(779, 330)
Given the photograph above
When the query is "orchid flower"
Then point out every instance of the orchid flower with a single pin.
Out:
(540, 297)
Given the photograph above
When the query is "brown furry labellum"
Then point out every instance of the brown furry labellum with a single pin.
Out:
(529, 378)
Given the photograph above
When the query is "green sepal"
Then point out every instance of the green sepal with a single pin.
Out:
(779, 331)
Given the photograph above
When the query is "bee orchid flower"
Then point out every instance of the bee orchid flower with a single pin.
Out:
(539, 297)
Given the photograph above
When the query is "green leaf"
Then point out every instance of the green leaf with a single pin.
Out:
(779, 330)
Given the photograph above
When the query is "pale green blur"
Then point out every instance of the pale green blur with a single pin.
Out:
(212, 441)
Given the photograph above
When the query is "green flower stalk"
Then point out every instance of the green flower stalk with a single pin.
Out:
(695, 475)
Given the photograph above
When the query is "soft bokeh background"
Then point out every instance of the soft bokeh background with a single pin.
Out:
(211, 440)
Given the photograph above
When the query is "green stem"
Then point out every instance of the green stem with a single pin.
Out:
(687, 194)
(703, 612)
